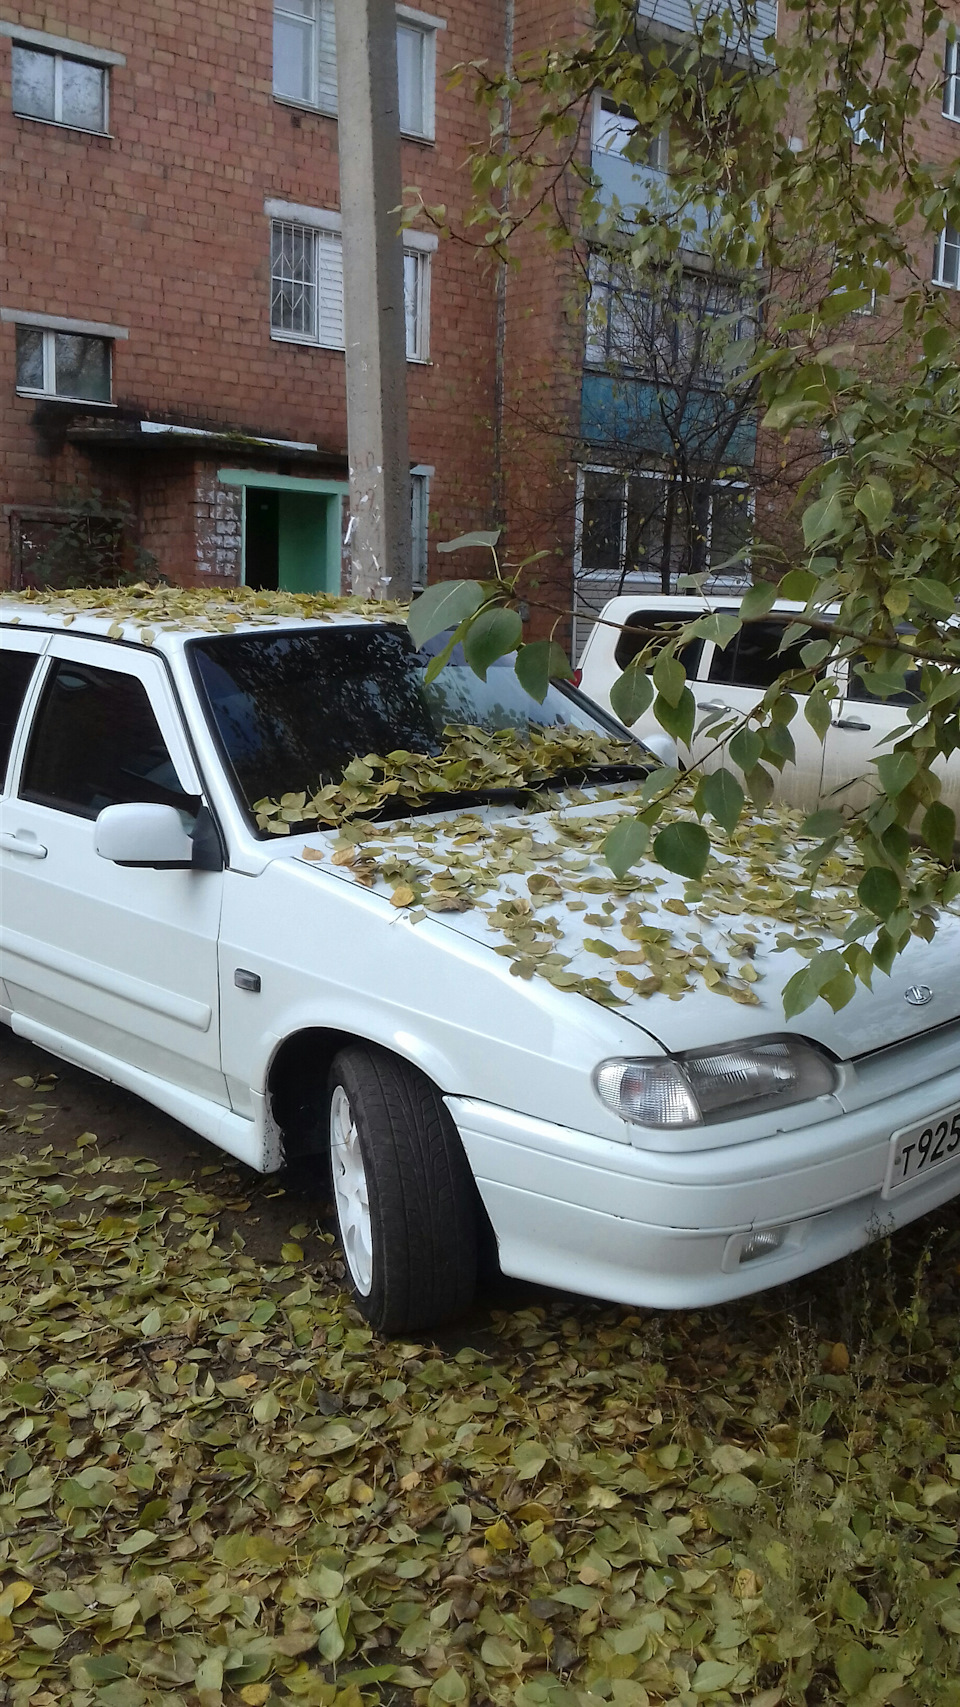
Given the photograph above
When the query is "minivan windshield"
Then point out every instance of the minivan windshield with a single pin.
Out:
(292, 709)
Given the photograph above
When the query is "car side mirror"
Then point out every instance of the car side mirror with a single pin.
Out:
(142, 834)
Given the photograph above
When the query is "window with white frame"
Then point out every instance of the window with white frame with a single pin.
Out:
(946, 258)
(71, 365)
(686, 333)
(419, 524)
(305, 60)
(306, 285)
(951, 81)
(615, 127)
(638, 523)
(59, 89)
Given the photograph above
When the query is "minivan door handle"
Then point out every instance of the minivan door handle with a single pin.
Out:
(17, 843)
(713, 705)
(852, 723)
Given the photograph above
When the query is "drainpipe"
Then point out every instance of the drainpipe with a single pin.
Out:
(499, 396)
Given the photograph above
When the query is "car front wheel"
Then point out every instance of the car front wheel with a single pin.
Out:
(405, 1199)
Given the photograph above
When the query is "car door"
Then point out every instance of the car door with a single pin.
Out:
(20, 654)
(122, 960)
(860, 732)
(733, 683)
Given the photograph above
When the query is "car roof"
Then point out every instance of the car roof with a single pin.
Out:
(167, 617)
(683, 604)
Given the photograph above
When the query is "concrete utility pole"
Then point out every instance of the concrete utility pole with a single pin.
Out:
(368, 106)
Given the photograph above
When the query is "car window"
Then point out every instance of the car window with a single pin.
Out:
(753, 660)
(16, 670)
(857, 688)
(95, 742)
(628, 645)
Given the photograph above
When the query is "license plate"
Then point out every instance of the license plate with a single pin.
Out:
(919, 1150)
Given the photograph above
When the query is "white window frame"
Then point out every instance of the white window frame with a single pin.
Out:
(61, 48)
(950, 104)
(641, 580)
(328, 223)
(947, 242)
(420, 478)
(49, 386)
(323, 88)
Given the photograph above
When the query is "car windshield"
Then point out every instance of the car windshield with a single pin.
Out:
(292, 710)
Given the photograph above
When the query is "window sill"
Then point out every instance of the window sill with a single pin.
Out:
(427, 139)
(60, 124)
(62, 397)
(304, 343)
(951, 118)
(944, 284)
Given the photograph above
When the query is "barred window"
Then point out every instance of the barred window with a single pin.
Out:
(306, 289)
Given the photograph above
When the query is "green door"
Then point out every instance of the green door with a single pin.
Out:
(292, 541)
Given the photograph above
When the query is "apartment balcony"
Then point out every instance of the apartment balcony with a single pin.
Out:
(753, 23)
(622, 413)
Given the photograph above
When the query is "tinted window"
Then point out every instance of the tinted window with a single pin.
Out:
(95, 742)
(908, 695)
(753, 658)
(16, 669)
(292, 710)
(629, 645)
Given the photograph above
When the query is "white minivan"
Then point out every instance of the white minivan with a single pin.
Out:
(450, 1007)
(836, 771)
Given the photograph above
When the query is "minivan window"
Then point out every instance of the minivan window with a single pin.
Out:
(753, 659)
(95, 742)
(16, 672)
(292, 710)
(857, 688)
(628, 645)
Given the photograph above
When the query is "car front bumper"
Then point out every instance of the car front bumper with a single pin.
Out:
(667, 1229)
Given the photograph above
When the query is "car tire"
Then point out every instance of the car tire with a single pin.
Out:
(406, 1203)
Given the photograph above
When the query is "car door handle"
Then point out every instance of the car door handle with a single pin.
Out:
(713, 705)
(20, 844)
(852, 723)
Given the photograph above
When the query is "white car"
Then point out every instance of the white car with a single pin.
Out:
(458, 1010)
(833, 772)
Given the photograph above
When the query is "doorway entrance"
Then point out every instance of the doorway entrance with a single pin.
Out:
(291, 531)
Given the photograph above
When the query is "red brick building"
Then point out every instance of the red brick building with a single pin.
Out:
(171, 306)
(171, 290)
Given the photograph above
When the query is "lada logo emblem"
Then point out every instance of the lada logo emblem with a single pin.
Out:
(918, 995)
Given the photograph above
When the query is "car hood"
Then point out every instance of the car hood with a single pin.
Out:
(692, 964)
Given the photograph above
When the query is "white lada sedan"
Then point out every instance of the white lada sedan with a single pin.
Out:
(453, 1004)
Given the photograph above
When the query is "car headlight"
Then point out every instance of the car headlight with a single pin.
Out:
(703, 1086)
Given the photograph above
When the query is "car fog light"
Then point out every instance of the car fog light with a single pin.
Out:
(762, 1244)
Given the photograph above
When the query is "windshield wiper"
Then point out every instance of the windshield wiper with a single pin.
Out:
(576, 775)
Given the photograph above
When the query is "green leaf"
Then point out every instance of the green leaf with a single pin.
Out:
(538, 664)
(855, 1667)
(683, 848)
(879, 891)
(875, 502)
(444, 605)
(669, 678)
(760, 785)
(631, 694)
(817, 713)
(465, 541)
(896, 771)
(758, 600)
(722, 796)
(939, 830)
(677, 720)
(939, 343)
(625, 844)
(820, 825)
(490, 636)
(745, 749)
(935, 596)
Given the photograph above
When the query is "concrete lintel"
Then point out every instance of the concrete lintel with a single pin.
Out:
(61, 44)
(426, 20)
(282, 482)
(59, 323)
(320, 218)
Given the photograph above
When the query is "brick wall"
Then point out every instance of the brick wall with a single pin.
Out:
(160, 229)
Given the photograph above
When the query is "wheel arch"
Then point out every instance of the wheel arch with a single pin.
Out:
(302, 1060)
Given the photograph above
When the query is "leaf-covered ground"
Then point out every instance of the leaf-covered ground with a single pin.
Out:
(216, 1485)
